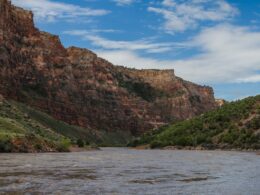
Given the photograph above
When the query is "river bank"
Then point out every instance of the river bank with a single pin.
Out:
(83, 149)
(198, 148)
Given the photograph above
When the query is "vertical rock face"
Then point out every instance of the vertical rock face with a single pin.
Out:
(178, 98)
(78, 87)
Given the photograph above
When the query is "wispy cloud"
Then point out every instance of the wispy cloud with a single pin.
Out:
(123, 2)
(250, 79)
(169, 3)
(228, 54)
(47, 10)
(85, 33)
(147, 45)
(183, 15)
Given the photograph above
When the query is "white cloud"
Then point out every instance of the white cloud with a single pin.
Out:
(128, 58)
(123, 2)
(146, 45)
(250, 79)
(228, 54)
(46, 10)
(184, 15)
(85, 33)
(170, 3)
(129, 45)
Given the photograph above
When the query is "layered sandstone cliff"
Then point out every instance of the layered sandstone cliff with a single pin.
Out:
(76, 86)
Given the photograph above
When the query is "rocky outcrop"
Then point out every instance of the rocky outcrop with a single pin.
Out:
(76, 86)
(220, 102)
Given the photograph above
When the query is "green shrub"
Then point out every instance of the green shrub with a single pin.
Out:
(5, 145)
(80, 143)
(38, 146)
(63, 145)
(156, 144)
(254, 123)
(184, 141)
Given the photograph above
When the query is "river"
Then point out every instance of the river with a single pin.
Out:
(126, 171)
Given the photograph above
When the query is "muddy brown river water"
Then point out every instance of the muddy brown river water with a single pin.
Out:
(126, 171)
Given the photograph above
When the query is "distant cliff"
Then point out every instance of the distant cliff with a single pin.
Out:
(76, 86)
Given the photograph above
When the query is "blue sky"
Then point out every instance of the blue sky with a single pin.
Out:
(210, 42)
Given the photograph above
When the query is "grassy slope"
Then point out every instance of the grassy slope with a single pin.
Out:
(23, 129)
(101, 138)
(235, 125)
(20, 133)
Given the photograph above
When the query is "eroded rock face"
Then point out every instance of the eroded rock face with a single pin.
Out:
(220, 102)
(78, 87)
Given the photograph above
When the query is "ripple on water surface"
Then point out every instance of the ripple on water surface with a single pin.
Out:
(125, 171)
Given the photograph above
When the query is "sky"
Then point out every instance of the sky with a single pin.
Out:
(209, 42)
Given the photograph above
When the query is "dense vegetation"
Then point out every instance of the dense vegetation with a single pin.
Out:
(234, 125)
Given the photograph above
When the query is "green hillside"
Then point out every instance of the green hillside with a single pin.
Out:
(234, 125)
(24, 129)
(100, 138)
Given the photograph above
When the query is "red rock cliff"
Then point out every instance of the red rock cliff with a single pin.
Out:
(78, 87)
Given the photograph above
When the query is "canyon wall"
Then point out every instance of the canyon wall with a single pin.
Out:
(76, 86)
